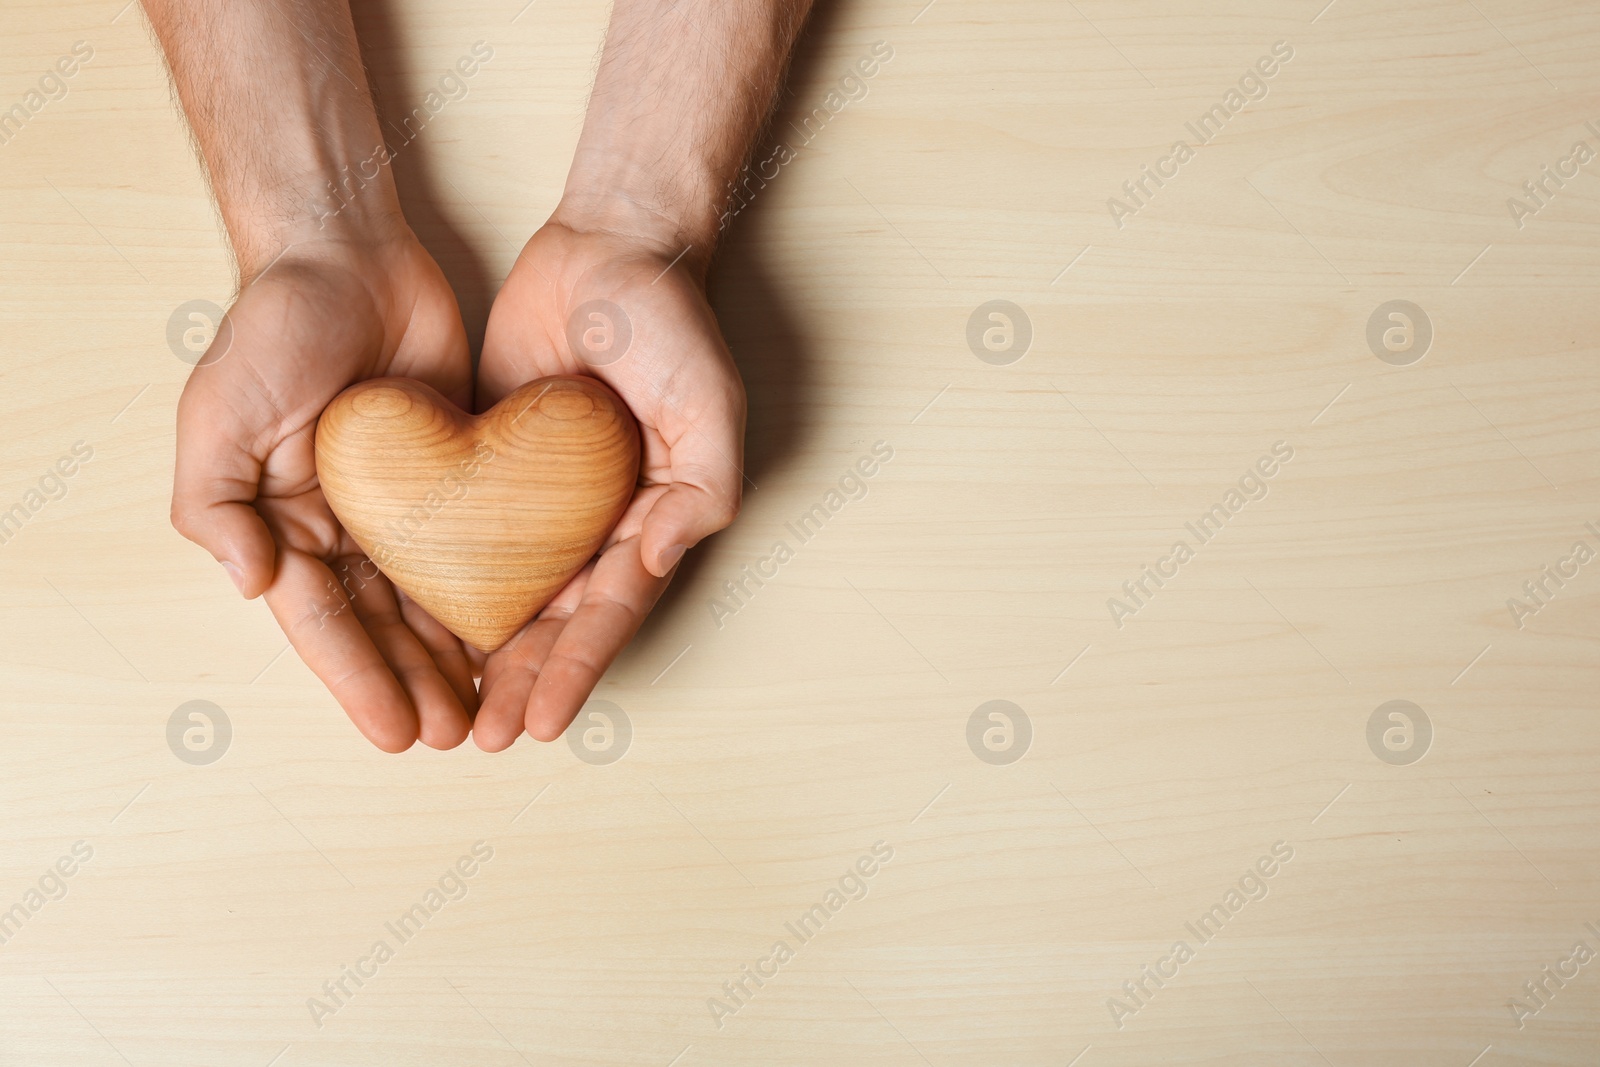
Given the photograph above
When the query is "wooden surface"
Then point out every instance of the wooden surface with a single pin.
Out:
(480, 519)
(773, 741)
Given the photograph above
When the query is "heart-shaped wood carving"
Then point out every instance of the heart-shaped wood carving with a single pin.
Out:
(479, 519)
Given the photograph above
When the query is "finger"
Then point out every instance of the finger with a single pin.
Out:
(681, 519)
(510, 671)
(516, 345)
(449, 655)
(508, 678)
(616, 599)
(706, 449)
(215, 479)
(434, 350)
(442, 720)
(323, 628)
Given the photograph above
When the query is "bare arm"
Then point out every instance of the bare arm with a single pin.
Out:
(277, 99)
(682, 93)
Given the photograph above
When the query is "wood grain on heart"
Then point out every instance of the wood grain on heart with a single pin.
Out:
(479, 519)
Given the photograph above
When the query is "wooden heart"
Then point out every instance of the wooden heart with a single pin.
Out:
(479, 519)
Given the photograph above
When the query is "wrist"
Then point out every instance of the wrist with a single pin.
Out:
(673, 217)
(677, 102)
(344, 238)
(342, 200)
(303, 157)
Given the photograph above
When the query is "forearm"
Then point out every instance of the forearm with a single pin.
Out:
(682, 92)
(275, 93)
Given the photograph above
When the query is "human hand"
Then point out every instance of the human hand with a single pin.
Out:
(678, 102)
(335, 289)
(325, 314)
(674, 371)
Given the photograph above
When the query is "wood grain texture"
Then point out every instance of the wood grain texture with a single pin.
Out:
(770, 742)
(481, 519)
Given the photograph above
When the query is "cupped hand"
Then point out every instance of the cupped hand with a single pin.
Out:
(325, 314)
(632, 313)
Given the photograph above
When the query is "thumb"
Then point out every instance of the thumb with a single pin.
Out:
(214, 483)
(705, 441)
(702, 499)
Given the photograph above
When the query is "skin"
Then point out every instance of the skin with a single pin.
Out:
(335, 288)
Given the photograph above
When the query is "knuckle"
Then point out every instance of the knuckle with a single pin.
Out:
(724, 511)
(184, 520)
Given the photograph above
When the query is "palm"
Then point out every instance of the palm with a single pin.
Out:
(247, 488)
(677, 377)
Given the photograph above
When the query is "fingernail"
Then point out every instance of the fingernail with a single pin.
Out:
(235, 573)
(671, 556)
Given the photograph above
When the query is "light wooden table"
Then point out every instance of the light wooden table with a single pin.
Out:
(772, 747)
